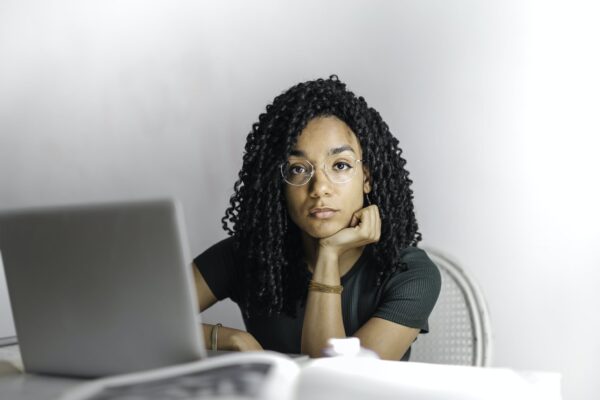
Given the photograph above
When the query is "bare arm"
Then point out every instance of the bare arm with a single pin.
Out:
(323, 315)
(388, 339)
(206, 297)
(228, 338)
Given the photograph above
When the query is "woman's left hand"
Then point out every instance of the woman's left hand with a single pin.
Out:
(365, 228)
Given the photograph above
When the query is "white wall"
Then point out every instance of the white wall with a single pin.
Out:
(495, 104)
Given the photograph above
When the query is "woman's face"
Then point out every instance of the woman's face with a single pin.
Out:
(321, 208)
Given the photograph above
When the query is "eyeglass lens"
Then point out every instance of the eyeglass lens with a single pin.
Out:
(338, 168)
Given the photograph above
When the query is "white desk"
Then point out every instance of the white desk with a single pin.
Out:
(14, 384)
(348, 378)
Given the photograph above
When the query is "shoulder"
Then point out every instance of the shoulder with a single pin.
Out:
(416, 259)
(409, 294)
(217, 264)
(222, 249)
(419, 273)
(224, 244)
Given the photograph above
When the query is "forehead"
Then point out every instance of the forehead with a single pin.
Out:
(323, 134)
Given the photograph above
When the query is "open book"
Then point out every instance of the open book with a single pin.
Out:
(268, 375)
(259, 375)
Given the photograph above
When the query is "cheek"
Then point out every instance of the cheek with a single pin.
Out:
(355, 197)
(293, 200)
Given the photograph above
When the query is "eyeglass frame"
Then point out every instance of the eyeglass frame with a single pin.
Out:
(312, 173)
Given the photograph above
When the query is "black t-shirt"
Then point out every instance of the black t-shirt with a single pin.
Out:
(406, 297)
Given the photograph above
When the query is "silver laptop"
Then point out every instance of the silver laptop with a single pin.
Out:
(102, 289)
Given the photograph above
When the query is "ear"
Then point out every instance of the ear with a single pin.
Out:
(366, 180)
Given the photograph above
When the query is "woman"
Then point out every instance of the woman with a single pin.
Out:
(322, 233)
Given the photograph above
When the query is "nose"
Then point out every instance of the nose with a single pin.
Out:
(320, 185)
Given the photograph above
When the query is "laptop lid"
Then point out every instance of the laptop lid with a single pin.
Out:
(101, 289)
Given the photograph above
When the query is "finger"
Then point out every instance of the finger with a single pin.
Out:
(374, 218)
(354, 220)
(365, 221)
(357, 217)
(368, 224)
(378, 229)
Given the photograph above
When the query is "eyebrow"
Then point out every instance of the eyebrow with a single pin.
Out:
(335, 150)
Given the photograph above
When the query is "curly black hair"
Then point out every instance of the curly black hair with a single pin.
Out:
(272, 274)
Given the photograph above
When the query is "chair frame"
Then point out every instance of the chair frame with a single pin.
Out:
(476, 306)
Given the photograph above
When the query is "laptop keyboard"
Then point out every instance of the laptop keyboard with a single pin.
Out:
(233, 382)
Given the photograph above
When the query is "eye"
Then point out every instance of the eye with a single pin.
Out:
(340, 166)
(297, 169)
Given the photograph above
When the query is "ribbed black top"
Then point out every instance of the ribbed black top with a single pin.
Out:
(406, 297)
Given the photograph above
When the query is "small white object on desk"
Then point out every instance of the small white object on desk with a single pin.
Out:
(347, 347)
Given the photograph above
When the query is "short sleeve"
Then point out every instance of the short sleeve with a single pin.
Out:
(217, 266)
(409, 296)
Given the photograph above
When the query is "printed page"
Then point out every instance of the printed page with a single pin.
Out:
(239, 376)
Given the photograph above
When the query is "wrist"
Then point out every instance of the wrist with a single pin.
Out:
(327, 253)
(226, 338)
(235, 340)
(327, 269)
(315, 286)
(214, 336)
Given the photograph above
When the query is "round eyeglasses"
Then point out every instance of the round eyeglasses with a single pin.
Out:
(338, 168)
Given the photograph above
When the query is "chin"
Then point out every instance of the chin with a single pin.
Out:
(324, 230)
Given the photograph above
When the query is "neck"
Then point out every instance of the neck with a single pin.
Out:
(345, 262)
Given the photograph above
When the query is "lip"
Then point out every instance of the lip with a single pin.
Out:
(322, 212)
